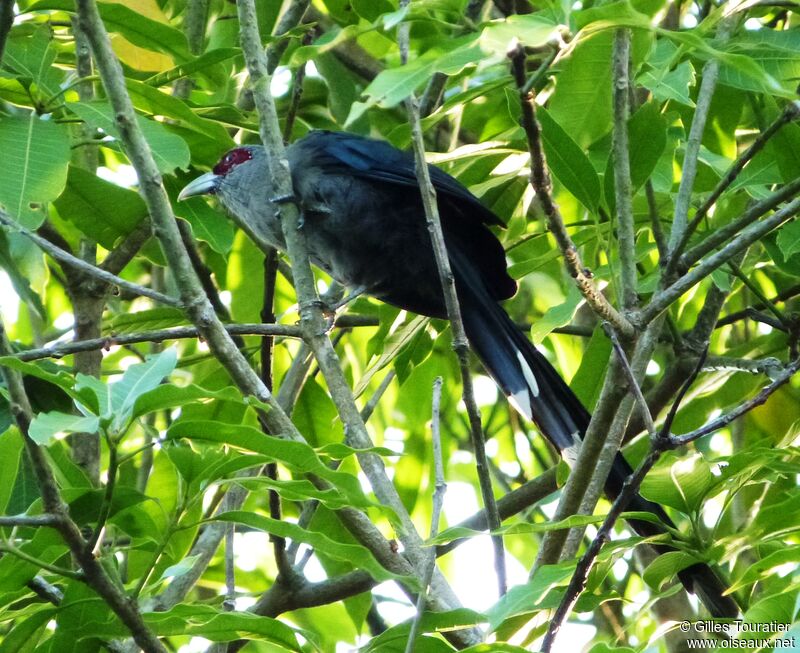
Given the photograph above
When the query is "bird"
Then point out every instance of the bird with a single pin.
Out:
(364, 225)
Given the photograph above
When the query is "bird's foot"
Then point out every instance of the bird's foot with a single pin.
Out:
(288, 198)
(351, 296)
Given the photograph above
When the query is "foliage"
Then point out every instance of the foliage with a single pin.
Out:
(175, 435)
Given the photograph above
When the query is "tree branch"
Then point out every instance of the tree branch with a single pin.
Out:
(439, 490)
(60, 350)
(460, 344)
(87, 268)
(312, 321)
(94, 574)
(622, 169)
(692, 150)
(540, 180)
(790, 113)
(663, 298)
(730, 230)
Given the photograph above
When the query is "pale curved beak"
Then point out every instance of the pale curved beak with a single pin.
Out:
(203, 185)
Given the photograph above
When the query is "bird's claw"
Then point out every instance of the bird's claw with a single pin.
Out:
(288, 198)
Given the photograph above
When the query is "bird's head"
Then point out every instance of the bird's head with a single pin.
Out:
(242, 184)
(235, 171)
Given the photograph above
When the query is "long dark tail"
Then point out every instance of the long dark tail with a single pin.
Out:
(539, 393)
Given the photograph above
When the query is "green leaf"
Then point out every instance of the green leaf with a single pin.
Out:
(568, 162)
(604, 647)
(588, 380)
(197, 620)
(26, 631)
(198, 64)
(95, 394)
(35, 158)
(666, 567)
(789, 239)
(297, 456)
(168, 396)
(356, 554)
(32, 58)
(19, 280)
(147, 320)
(169, 151)
(46, 426)
(156, 102)
(103, 211)
(532, 30)
(581, 102)
(679, 482)
(525, 598)
(134, 26)
(394, 85)
(670, 84)
(139, 379)
(57, 376)
(765, 568)
(11, 444)
(557, 316)
(647, 134)
(402, 338)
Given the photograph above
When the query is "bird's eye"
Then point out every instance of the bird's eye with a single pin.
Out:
(232, 159)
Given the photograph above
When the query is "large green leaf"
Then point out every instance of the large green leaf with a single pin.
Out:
(169, 151)
(35, 158)
(138, 380)
(199, 620)
(134, 26)
(32, 58)
(581, 103)
(297, 456)
(46, 426)
(356, 554)
(679, 481)
(568, 163)
(393, 85)
(103, 211)
(531, 30)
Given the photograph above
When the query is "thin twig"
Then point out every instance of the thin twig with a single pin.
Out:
(692, 149)
(62, 349)
(731, 230)
(633, 384)
(440, 487)
(34, 521)
(297, 94)
(622, 169)
(93, 572)
(540, 180)
(655, 222)
(790, 113)
(314, 327)
(460, 345)
(724, 420)
(229, 603)
(782, 296)
(91, 270)
(664, 298)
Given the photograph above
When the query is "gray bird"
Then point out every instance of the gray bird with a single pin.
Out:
(364, 224)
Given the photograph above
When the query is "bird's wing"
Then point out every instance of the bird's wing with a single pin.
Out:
(380, 161)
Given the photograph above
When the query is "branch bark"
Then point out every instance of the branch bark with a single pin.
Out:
(460, 344)
(540, 180)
